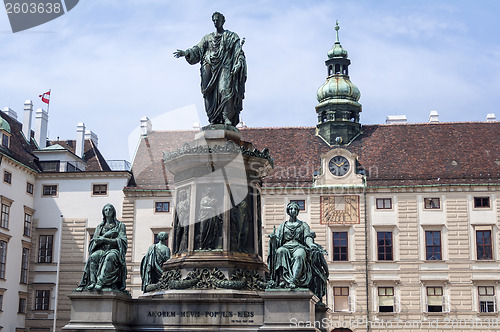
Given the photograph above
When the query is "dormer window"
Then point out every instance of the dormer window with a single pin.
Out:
(5, 140)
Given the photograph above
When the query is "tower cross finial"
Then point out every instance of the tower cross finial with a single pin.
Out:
(337, 28)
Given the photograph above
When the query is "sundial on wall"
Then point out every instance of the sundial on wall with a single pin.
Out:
(340, 209)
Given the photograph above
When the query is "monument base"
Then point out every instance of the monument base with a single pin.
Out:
(196, 310)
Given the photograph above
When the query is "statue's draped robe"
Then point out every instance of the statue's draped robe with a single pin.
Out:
(112, 268)
(320, 273)
(290, 240)
(222, 90)
(209, 228)
(182, 226)
(151, 265)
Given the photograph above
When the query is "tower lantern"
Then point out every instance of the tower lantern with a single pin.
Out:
(338, 109)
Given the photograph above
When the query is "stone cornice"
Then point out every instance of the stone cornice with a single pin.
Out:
(86, 174)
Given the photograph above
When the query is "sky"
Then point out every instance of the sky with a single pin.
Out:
(108, 63)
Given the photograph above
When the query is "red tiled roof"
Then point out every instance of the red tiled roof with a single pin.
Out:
(393, 155)
(19, 149)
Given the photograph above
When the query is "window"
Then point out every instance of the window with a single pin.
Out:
(50, 166)
(29, 188)
(340, 299)
(162, 206)
(432, 245)
(27, 225)
(72, 168)
(483, 244)
(384, 246)
(434, 299)
(340, 246)
(481, 202)
(386, 299)
(1, 302)
(3, 258)
(4, 219)
(384, 203)
(22, 305)
(42, 299)
(487, 302)
(24, 266)
(99, 189)
(49, 190)
(7, 177)
(5, 140)
(432, 203)
(300, 202)
(45, 249)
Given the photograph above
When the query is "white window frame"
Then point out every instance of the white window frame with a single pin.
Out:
(395, 296)
(495, 306)
(99, 184)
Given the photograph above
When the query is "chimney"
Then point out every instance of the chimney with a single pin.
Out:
(41, 122)
(10, 112)
(395, 119)
(491, 117)
(91, 136)
(28, 113)
(146, 126)
(434, 117)
(196, 125)
(80, 139)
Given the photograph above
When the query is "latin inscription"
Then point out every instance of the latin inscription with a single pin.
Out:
(237, 316)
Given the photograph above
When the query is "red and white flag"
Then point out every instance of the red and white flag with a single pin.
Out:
(45, 97)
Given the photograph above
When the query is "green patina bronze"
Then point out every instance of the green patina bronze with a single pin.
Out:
(152, 262)
(294, 260)
(106, 268)
(223, 72)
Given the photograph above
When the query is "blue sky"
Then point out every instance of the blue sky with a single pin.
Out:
(109, 62)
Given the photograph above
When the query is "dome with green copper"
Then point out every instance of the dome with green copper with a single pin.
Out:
(338, 109)
(4, 125)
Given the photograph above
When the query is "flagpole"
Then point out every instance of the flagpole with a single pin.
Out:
(48, 104)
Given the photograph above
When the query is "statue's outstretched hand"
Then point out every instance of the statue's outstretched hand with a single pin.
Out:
(179, 53)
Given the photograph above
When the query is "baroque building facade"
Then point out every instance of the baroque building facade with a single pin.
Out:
(51, 196)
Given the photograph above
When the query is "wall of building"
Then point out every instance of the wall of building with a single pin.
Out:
(20, 202)
(75, 212)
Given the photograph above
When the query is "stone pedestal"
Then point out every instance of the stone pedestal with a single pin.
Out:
(196, 310)
(106, 311)
(217, 222)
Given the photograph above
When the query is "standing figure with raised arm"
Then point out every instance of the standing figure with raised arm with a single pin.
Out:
(223, 72)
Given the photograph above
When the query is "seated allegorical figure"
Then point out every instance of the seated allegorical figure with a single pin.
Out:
(106, 268)
(294, 260)
(152, 262)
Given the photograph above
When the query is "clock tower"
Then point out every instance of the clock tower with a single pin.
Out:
(338, 109)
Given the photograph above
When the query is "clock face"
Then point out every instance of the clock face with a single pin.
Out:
(339, 165)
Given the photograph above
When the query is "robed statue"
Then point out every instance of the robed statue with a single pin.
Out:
(223, 72)
(106, 268)
(294, 260)
(210, 221)
(152, 262)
